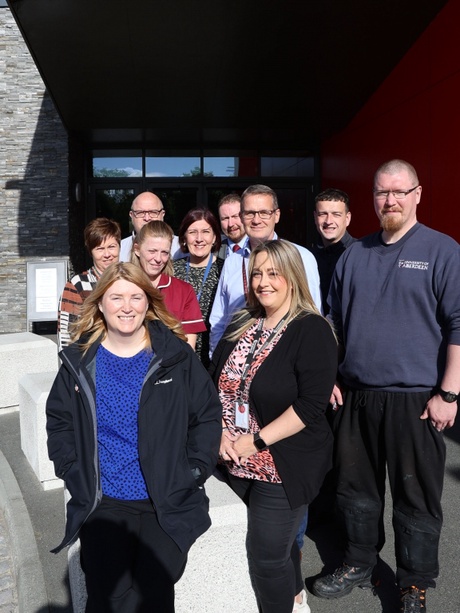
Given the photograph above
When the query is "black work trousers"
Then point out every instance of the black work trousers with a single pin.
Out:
(272, 550)
(130, 563)
(379, 431)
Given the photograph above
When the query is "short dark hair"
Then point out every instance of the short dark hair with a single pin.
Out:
(233, 197)
(98, 230)
(262, 190)
(198, 214)
(333, 194)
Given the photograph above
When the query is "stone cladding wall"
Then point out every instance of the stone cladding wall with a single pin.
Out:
(33, 175)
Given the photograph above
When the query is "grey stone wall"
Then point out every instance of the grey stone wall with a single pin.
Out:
(33, 175)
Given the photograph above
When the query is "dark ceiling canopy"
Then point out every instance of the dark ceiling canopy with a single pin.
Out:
(280, 73)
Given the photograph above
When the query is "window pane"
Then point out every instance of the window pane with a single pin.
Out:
(115, 204)
(287, 167)
(172, 166)
(220, 167)
(238, 166)
(117, 164)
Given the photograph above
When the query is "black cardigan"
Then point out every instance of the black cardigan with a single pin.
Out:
(299, 371)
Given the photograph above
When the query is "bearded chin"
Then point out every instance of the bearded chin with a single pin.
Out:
(390, 223)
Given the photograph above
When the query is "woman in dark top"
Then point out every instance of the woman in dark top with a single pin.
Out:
(275, 370)
(199, 238)
(133, 425)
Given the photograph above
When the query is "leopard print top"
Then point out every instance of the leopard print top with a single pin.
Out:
(259, 466)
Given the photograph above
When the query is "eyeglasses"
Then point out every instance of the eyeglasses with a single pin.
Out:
(398, 194)
(144, 214)
(265, 214)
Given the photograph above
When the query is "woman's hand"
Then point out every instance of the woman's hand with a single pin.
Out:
(244, 447)
(336, 398)
(226, 450)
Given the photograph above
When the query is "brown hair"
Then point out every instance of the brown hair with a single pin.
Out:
(100, 229)
(199, 214)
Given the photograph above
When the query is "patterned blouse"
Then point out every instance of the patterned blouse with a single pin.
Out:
(261, 465)
(73, 295)
(118, 386)
(208, 292)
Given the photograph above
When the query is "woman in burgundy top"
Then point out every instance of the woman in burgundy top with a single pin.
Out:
(152, 252)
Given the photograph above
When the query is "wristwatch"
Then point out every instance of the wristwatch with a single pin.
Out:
(448, 396)
(259, 442)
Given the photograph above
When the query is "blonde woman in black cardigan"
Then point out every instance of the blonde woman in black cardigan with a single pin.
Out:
(275, 369)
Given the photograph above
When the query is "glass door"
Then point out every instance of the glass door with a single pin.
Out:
(114, 202)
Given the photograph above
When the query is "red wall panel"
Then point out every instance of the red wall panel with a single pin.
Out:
(414, 115)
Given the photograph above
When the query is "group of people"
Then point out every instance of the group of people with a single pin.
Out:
(136, 426)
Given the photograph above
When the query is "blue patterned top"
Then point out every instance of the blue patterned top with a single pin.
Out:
(118, 386)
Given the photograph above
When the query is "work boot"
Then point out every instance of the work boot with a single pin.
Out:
(413, 600)
(342, 581)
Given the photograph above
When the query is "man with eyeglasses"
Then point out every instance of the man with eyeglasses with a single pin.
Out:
(259, 214)
(145, 207)
(395, 304)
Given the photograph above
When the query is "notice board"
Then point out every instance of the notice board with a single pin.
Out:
(45, 281)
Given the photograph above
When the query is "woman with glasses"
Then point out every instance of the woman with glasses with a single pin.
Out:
(133, 454)
(102, 240)
(275, 369)
(152, 252)
(199, 238)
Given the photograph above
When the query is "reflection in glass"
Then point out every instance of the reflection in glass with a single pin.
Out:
(221, 166)
(287, 166)
(115, 204)
(237, 166)
(117, 164)
(173, 166)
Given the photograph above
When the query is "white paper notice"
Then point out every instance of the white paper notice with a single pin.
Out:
(46, 298)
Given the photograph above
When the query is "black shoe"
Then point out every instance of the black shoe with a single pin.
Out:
(342, 581)
(413, 600)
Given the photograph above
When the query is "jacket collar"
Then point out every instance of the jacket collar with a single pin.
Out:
(165, 344)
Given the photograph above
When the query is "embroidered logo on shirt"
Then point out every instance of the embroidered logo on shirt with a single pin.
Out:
(413, 264)
(163, 381)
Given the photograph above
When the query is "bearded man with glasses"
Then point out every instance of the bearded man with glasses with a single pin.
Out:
(145, 207)
(259, 214)
(395, 305)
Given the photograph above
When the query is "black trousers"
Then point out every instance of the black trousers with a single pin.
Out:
(272, 550)
(378, 432)
(130, 563)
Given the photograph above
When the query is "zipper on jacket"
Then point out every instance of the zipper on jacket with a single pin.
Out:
(82, 381)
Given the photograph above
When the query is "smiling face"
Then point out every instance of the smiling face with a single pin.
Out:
(124, 306)
(106, 253)
(259, 230)
(396, 216)
(332, 219)
(269, 287)
(199, 239)
(153, 254)
(230, 221)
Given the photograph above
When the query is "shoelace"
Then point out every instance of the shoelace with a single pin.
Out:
(413, 600)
